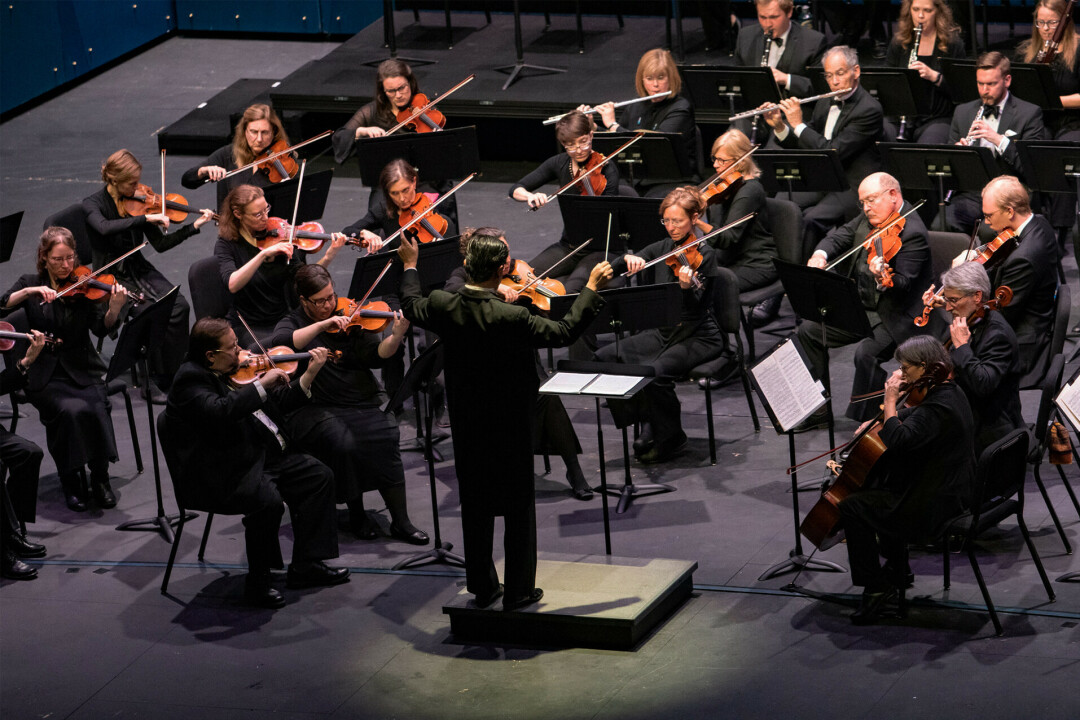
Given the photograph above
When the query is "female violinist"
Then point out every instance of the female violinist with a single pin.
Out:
(673, 351)
(1049, 14)
(343, 425)
(575, 133)
(114, 231)
(258, 273)
(925, 476)
(657, 73)
(938, 38)
(257, 131)
(402, 193)
(67, 385)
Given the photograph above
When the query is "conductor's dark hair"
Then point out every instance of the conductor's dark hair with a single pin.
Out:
(484, 256)
(310, 279)
(923, 350)
(206, 336)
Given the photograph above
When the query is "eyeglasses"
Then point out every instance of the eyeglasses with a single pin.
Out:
(583, 144)
(264, 213)
(717, 159)
(954, 299)
(871, 199)
(400, 89)
(1047, 23)
(906, 368)
(992, 213)
(62, 260)
(668, 222)
(232, 348)
(838, 75)
(328, 300)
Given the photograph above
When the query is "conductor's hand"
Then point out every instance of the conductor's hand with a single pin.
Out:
(599, 276)
(408, 251)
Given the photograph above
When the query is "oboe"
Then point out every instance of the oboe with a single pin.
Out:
(912, 59)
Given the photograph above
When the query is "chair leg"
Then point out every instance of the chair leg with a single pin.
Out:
(547, 464)
(449, 26)
(1036, 558)
(750, 398)
(205, 535)
(946, 563)
(1050, 507)
(172, 553)
(1068, 488)
(983, 589)
(748, 331)
(709, 421)
(134, 432)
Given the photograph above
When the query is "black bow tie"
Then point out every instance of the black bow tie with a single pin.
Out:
(990, 111)
(779, 41)
(836, 102)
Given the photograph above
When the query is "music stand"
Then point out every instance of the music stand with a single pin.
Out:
(137, 336)
(654, 154)
(634, 221)
(898, 90)
(960, 77)
(390, 40)
(9, 231)
(800, 171)
(438, 155)
(1053, 167)
(717, 88)
(418, 380)
(939, 167)
(312, 196)
(800, 398)
(520, 64)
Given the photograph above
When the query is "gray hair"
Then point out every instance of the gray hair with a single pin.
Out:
(968, 278)
(850, 56)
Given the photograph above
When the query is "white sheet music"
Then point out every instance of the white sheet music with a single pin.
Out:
(611, 385)
(1068, 401)
(566, 383)
(788, 386)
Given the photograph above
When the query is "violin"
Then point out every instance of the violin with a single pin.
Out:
(82, 281)
(430, 226)
(595, 183)
(718, 190)
(144, 201)
(418, 117)
(8, 336)
(309, 236)
(885, 244)
(688, 255)
(589, 170)
(539, 291)
(373, 316)
(277, 162)
(989, 255)
(254, 365)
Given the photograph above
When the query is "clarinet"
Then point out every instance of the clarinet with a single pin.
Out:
(912, 59)
(764, 63)
(978, 116)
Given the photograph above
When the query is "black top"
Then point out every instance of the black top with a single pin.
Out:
(556, 169)
(267, 296)
(1067, 82)
(223, 157)
(347, 382)
(344, 138)
(669, 115)
(750, 244)
(804, 47)
(381, 222)
(941, 102)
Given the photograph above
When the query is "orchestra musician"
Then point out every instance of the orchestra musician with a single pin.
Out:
(940, 38)
(395, 86)
(657, 73)
(672, 351)
(258, 277)
(401, 185)
(927, 476)
(890, 309)
(575, 133)
(114, 231)
(553, 433)
(67, 385)
(343, 425)
(1049, 14)
(794, 47)
(18, 493)
(850, 124)
(984, 353)
(489, 359)
(235, 456)
(994, 121)
(257, 130)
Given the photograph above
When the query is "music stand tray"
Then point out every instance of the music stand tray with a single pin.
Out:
(800, 171)
(312, 196)
(651, 159)
(634, 221)
(441, 155)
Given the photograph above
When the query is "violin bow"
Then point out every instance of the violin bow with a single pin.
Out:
(370, 290)
(276, 155)
(718, 176)
(537, 278)
(587, 173)
(607, 241)
(427, 212)
(872, 237)
(269, 360)
(430, 105)
(296, 204)
(693, 243)
(87, 278)
(163, 202)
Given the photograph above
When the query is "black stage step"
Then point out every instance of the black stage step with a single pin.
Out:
(210, 125)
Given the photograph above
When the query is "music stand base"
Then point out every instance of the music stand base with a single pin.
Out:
(797, 561)
(438, 554)
(517, 68)
(161, 524)
(417, 445)
(629, 491)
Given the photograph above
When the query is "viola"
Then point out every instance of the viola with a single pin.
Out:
(431, 225)
(82, 281)
(8, 336)
(373, 316)
(539, 291)
(254, 365)
(418, 117)
(989, 255)
(279, 164)
(595, 183)
(720, 189)
(309, 236)
(144, 201)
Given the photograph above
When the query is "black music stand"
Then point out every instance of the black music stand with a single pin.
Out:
(9, 231)
(519, 64)
(939, 167)
(653, 156)
(1031, 82)
(645, 373)
(634, 221)
(1053, 167)
(438, 155)
(796, 559)
(898, 90)
(312, 196)
(390, 40)
(794, 171)
(138, 335)
(718, 88)
(418, 381)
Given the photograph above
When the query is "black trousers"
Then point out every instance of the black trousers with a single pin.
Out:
(78, 424)
(22, 458)
(870, 537)
(519, 542)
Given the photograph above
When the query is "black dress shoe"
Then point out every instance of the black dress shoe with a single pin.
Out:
(486, 600)
(23, 548)
(74, 502)
(259, 593)
(73, 492)
(818, 421)
(518, 603)
(413, 536)
(103, 493)
(315, 574)
(870, 606)
(15, 569)
(582, 492)
(644, 441)
(765, 311)
(664, 451)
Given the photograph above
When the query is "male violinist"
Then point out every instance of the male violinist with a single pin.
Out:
(489, 364)
(891, 308)
(234, 457)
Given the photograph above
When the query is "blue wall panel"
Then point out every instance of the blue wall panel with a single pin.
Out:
(255, 16)
(349, 16)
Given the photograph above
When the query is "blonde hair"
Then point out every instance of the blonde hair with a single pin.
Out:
(945, 27)
(120, 167)
(1028, 49)
(1008, 193)
(242, 153)
(689, 198)
(654, 62)
(737, 144)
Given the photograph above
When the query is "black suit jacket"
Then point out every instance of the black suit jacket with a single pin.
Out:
(1020, 120)
(857, 130)
(803, 48)
(899, 305)
(988, 371)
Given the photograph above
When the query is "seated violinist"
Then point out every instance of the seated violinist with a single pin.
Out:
(343, 425)
(116, 225)
(890, 289)
(673, 351)
(925, 477)
(402, 196)
(553, 433)
(257, 131)
(258, 270)
(983, 351)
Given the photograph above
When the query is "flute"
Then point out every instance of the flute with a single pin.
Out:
(802, 101)
(557, 118)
